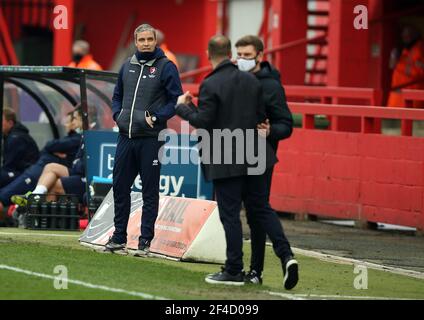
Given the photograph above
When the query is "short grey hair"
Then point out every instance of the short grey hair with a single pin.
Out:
(144, 27)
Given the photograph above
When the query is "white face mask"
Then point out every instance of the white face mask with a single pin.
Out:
(245, 64)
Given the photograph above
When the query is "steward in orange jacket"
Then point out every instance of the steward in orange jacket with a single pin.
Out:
(81, 57)
(409, 70)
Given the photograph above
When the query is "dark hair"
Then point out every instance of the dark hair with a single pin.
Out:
(250, 40)
(9, 114)
(219, 47)
(77, 108)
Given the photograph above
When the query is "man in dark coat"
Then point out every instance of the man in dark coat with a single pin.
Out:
(230, 107)
(20, 150)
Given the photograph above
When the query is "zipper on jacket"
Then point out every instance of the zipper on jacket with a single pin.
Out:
(117, 118)
(135, 97)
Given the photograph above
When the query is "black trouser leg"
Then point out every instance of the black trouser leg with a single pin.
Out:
(125, 170)
(150, 175)
(229, 197)
(257, 233)
(256, 200)
(5, 179)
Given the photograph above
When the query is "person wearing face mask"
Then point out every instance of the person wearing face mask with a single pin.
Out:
(59, 179)
(81, 57)
(62, 151)
(408, 65)
(143, 101)
(278, 126)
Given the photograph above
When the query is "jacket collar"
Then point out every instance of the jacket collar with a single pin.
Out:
(135, 61)
(224, 64)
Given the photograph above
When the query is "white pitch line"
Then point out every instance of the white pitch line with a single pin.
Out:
(83, 284)
(39, 234)
(317, 296)
(350, 261)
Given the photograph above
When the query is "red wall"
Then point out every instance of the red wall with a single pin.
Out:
(185, 26)
(349, 50)
(62, 38)
(289, 23)
(351, 175)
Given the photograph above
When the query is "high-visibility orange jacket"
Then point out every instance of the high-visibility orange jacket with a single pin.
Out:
(87, 62)
(169, 55)
(409, 68)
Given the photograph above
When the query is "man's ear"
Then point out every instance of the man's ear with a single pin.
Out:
(260, 56)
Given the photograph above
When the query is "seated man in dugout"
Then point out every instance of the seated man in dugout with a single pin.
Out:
(58, 179)
(62, 151)
(19, 149)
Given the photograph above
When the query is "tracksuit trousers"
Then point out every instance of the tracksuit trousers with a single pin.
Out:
(133, 157)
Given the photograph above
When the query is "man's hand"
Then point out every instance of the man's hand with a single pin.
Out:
(264, 128)
(185, 98)
(149, 121)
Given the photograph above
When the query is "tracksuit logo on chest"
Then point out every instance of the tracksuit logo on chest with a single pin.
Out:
(152, 72)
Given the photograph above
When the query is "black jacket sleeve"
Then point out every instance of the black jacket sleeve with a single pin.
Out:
(118, 94)
(171, 82)
(261, 107)
(278, 112)
(205, 114)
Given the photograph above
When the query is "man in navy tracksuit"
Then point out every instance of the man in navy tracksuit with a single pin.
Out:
(144, 98)
(58, 178)
(19, 151)
(62, 151)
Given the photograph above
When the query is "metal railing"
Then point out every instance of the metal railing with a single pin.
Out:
(370, 116)
(285, 46)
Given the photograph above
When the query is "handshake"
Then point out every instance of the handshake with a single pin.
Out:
(186, 98)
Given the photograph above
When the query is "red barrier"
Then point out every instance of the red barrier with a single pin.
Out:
(361, 176)
(324, 94)
(411, 95)
(333, 94)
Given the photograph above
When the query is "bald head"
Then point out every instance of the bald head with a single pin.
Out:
(219, 47)
(160, 37)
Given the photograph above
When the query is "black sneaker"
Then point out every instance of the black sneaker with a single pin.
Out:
(113, 247)
(143, 249)
(224, 277)
(291, 273)
(252, 277)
